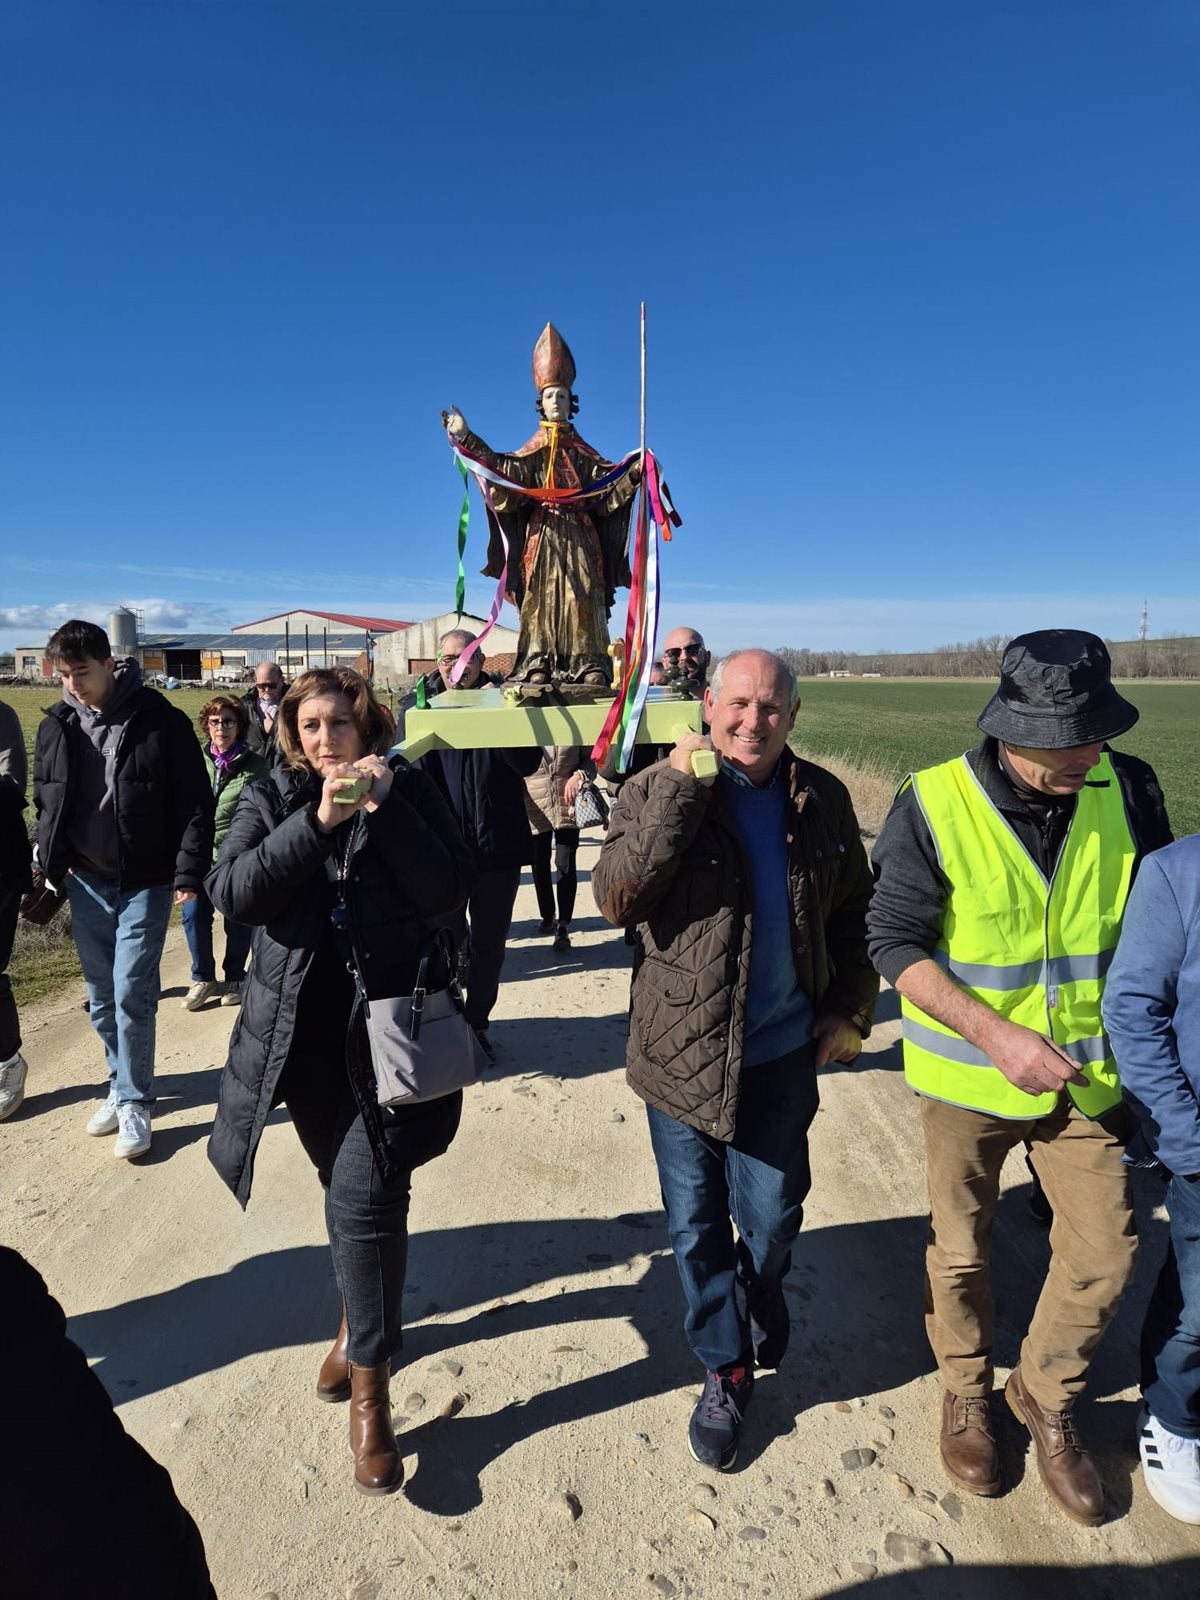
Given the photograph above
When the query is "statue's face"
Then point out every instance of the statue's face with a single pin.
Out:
(556, 403)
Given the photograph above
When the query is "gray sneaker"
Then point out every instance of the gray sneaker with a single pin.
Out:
(232, 995)
(12, 1085)
(134, 1136)
(199, 994)
(104, 1118)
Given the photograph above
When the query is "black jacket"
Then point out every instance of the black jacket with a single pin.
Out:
(43, 1560)
(905, 919)
(407, 873)
(262, 740)
(164, 805)
(15, 849)
(485, 789)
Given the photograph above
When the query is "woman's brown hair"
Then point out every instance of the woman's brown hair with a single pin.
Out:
(223, 702)
(375, 723)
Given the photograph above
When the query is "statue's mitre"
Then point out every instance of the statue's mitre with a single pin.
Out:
(553, 362)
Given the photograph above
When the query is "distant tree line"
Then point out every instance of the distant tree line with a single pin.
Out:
(1171, 657)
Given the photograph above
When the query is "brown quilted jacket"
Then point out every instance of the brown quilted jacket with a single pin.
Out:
(673, 866)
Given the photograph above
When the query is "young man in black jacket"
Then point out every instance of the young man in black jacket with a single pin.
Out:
(125, 814)
(486, 791)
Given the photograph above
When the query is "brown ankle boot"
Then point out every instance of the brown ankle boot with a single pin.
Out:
(378, 1468)
(1065, 1468)
(333, 1380)
(969, 1453)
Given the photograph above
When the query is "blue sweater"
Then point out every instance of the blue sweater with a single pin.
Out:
(1152, 1002)
(779, 1015)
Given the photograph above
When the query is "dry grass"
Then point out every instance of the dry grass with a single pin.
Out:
(872, 787)
(43, 959)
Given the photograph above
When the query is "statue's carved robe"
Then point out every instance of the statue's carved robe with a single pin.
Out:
(565, 562)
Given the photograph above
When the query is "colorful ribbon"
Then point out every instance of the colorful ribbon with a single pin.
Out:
(460, 587)
(655, 512)
(460, 666)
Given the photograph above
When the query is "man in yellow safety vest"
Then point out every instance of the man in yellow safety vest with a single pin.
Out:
(1001, 879)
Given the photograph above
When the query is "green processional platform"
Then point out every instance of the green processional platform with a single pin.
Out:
(511, 718)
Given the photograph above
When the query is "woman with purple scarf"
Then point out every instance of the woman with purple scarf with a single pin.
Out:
(223, 725)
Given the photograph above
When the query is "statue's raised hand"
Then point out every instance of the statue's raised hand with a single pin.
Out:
(455, 423)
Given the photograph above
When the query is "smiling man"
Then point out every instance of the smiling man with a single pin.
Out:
(749, 899)
(1002, 881)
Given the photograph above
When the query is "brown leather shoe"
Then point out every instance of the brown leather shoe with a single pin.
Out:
(378, 1468)
(333, 1380)
(1065, 1468)
(969, 1453)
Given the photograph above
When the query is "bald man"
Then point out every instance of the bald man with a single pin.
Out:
(749, 899)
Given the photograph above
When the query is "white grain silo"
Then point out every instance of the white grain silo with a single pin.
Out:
(122, 632)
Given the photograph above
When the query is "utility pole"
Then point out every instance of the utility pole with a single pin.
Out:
(1144, 628)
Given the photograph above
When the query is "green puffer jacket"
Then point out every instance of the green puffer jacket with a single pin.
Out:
(246, 767)
(673, 865)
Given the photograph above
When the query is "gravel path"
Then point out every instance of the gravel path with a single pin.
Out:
(546, 1387)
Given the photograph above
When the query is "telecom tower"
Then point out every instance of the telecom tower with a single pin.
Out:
(1144, 626)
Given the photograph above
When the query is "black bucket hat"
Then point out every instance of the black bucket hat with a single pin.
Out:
(1056, 691)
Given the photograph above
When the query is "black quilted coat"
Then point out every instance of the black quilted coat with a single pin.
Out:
(408, 872)
(673, 865)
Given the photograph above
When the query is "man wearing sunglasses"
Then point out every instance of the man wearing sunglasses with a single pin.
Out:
(684, 650)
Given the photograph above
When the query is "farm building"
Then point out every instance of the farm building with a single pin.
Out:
(401, 657)
(295, 639)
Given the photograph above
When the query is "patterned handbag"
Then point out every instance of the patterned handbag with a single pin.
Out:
(591, 808)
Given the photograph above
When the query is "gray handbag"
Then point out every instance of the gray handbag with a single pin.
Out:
(422, 1046)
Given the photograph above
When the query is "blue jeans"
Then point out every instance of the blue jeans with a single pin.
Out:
(119, 935)
(758, 1183)
(198, 926)
(1171, 1331)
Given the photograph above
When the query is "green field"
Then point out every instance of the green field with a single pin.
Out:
(906, 723)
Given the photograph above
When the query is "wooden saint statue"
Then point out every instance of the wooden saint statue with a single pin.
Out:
(565, 561)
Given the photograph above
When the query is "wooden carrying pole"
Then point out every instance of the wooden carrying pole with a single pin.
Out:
(643, 438)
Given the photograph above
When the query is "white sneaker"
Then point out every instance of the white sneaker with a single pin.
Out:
(104, 1118)
(232, 995)
(198, 994)
(12, 1084)
(1171, 1468)
(134, 1137)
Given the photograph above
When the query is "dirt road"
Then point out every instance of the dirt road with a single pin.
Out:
(546, 1387)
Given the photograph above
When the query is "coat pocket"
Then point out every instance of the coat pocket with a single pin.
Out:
(666, 1006)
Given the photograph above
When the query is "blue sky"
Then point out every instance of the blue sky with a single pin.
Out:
(921, 283)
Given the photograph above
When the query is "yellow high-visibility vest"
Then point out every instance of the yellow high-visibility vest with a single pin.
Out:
(1035, 951)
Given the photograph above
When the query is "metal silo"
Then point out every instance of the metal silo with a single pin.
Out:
(122, 632)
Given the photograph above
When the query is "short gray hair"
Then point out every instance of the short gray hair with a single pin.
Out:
(782, 668)
(464, 634)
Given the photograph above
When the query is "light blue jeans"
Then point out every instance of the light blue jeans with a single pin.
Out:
(119, 935)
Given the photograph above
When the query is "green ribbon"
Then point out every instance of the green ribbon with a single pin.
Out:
(460, 590)
(422, 694)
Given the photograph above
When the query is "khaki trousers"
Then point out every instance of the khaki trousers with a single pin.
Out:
(1093, 1245)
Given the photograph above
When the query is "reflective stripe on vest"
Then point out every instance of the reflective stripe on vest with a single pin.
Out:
(1035, 951)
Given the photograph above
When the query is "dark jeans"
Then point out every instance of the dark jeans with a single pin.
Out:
(197, 917)
(490, 911)
(1171, 1331)
(760, 1181)
(10, 1027)
(566, 843)
(365, 1216)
